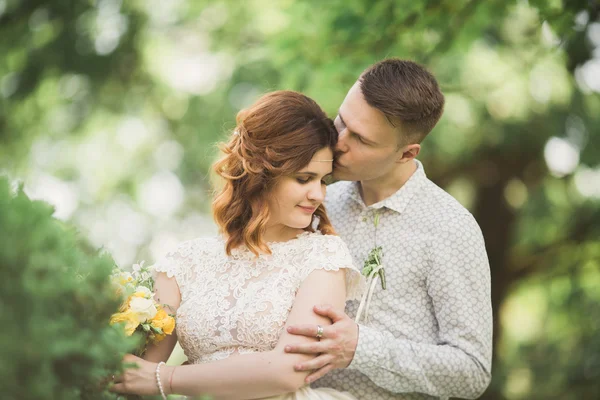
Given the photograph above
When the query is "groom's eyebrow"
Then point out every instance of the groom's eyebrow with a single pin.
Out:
(354, 132)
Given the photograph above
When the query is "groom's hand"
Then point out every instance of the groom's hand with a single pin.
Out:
(336, 347)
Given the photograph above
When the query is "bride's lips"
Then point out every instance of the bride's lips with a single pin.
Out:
(308, 210)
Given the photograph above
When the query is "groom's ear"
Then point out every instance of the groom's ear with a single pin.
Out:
(408, 153)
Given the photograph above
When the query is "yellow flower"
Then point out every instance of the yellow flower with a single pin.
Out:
(125, 305)
(157, 338)
(128, 317)
(163, 321)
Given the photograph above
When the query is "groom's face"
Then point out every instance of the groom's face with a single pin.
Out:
(368, 145)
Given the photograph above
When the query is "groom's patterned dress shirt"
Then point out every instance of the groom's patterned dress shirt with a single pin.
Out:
(429, 335)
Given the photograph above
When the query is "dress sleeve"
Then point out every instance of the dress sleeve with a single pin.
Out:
(329, 252)
(179, 264)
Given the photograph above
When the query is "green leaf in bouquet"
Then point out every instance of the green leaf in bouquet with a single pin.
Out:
(158, 330)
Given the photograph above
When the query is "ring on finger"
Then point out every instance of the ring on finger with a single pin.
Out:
(319, 332)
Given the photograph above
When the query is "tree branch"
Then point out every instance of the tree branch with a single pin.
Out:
(453, 30)
(536, 262)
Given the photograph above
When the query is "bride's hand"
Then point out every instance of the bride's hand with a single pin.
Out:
(140, 378)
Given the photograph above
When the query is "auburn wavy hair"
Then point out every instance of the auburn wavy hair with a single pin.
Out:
(275, 137)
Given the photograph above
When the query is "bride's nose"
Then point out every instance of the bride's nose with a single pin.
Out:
(316, 193)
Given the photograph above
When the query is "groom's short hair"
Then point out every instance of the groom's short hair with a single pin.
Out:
(406, 93)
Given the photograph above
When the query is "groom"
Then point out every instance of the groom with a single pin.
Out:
(428, 335)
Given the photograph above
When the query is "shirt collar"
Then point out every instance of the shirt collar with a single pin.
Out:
(399, 200)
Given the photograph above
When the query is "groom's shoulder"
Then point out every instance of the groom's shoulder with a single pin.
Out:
(446, 210)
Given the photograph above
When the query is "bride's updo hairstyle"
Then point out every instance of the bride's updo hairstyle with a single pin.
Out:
(275, 137)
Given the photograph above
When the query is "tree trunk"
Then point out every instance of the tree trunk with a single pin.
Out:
(497, 227)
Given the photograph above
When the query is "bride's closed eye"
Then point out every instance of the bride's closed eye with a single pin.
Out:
(326, 180)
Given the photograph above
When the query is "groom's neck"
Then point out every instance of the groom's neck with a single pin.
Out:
(375, 190)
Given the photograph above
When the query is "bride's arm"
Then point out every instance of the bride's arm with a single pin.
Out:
(167, 293)
(258, 375)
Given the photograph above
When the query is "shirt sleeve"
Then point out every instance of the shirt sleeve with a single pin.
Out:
(459, 364)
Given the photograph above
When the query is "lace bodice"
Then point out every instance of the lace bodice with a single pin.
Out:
(239, 303)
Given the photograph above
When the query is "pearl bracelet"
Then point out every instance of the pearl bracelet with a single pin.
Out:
(158, 382)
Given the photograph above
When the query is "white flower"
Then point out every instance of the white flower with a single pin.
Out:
(144, 309)
(123, 278)
(144, 291)
(137, 268)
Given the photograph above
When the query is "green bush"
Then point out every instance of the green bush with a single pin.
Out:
(55, 303)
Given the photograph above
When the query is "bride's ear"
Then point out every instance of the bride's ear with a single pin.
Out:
(408, 153)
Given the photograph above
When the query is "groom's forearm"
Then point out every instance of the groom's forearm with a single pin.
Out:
(248, 376)
(404, 366)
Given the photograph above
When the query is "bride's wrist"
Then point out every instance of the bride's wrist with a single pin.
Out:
(166, 378)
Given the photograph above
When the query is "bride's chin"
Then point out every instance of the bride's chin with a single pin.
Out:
(301, 223)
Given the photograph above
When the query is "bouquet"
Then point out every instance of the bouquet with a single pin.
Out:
(139, 311)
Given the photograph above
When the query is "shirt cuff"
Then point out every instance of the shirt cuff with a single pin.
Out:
(370, 344)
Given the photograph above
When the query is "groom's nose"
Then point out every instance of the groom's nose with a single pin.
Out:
(341, 146)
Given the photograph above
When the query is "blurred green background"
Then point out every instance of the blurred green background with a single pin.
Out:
(110, 110)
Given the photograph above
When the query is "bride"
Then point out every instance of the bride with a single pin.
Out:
(233, 295)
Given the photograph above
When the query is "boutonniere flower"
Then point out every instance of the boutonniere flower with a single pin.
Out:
(373, 266)
(372, 269)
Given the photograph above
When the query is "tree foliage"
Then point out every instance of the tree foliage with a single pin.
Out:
(55, 304)
(110, 97)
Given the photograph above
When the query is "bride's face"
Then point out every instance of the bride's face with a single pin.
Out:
(295, 198)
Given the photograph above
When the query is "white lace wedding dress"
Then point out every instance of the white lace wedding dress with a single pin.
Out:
(234, 305)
